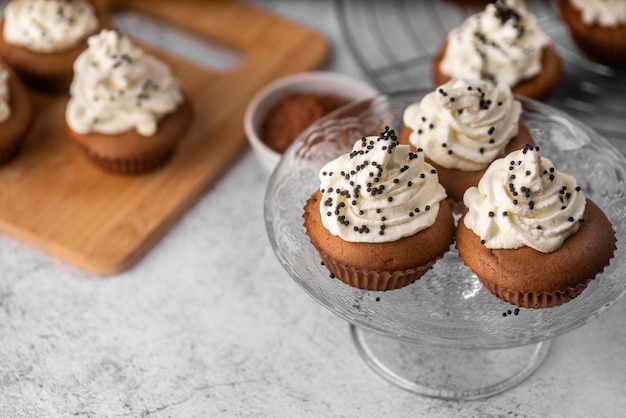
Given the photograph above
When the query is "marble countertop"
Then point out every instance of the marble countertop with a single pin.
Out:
(209, 324)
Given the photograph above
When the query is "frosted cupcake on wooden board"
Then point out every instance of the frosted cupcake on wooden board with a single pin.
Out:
(126, 110)
(41, 39)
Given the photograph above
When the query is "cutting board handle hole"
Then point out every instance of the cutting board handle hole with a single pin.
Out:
(178, 41)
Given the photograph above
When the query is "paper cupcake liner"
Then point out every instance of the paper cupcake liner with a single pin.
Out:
(131, 165)
(535, 300)
(374, 280)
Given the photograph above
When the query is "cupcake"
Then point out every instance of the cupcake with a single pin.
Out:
(462, 127)
(380, 219)
(42, 38)
(501, 44)
(126, 110)
(16, 113)
(530, 234)
(598, 28)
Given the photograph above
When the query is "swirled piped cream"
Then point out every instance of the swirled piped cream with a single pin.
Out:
(609, 13)
(464, 125)
(48, 25)
(379, 192)
(5, 109)
(117, 87)
(522, 200)
(503, 43)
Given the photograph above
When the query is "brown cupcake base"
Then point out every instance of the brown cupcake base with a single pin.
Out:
(132, 153)
(379, 266)
(456, 182)
(604, 45)
(14, 129)
(531, 279)
(140, 165)
(540, 87)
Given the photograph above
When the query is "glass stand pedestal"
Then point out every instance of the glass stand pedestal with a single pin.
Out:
(453, 374)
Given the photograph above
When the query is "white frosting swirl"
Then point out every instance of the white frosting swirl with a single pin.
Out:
(48, 25)
(464, 125)
(379, 192)
(5, 109)
(503, 43)
(609, 13)
(117, 87)
(522, 200)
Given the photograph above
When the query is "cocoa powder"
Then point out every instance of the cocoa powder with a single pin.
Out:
(293, 113)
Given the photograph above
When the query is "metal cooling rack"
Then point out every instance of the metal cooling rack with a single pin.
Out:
(394, 42)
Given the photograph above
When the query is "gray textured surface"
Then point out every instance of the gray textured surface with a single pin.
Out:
(209, 324)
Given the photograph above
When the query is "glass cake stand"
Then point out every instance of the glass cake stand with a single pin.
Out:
(445, 335)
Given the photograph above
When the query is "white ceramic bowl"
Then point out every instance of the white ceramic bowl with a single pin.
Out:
(314, 82)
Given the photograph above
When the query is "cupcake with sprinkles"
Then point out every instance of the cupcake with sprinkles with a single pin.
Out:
(501, 44)
(530, 234)
(126, 110)
(380, 218)
(41, 39)
(598, 27)
(463, 126)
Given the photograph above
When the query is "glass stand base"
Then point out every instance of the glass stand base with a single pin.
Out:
(453, 374)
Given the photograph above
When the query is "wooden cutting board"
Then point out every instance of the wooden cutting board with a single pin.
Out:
(52, 197)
